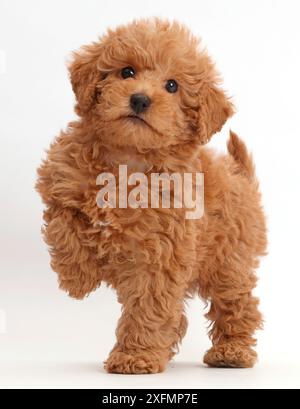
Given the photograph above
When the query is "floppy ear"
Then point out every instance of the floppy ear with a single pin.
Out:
(84, 76)
(214, 109)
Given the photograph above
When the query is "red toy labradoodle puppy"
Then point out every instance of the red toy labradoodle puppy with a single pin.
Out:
(148, 97)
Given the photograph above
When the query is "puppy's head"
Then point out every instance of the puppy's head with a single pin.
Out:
(148, 85)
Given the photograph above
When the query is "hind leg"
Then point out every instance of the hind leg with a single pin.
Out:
(234, 318)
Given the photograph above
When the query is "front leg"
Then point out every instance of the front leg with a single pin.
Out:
(152, 323)
(73, 246)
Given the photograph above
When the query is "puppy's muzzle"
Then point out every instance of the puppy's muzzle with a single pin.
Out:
(139, 103)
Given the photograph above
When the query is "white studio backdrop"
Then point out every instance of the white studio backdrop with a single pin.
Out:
(47, 339)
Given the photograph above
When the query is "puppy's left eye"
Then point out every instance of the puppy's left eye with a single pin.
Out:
(171, 86)
(128, 72)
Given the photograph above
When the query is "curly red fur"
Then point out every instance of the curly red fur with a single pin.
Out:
(155, 258)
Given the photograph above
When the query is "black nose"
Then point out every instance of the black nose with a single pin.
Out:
(139, 103)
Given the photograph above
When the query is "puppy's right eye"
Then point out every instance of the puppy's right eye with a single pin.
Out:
(128, 72)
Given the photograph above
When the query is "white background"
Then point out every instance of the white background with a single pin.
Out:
(49, 340)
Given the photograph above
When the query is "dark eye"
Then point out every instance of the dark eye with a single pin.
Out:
(127, 72)
(171, 86)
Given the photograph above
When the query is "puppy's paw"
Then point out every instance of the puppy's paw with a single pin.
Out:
(139, 363)
(77, 288)
(230, 355)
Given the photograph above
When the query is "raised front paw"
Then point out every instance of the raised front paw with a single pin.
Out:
(134, 363)
(78, 287)
(230, 355)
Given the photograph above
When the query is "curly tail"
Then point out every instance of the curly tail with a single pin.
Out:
(242, 157)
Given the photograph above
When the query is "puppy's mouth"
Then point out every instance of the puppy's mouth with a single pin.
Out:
(137, 120)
